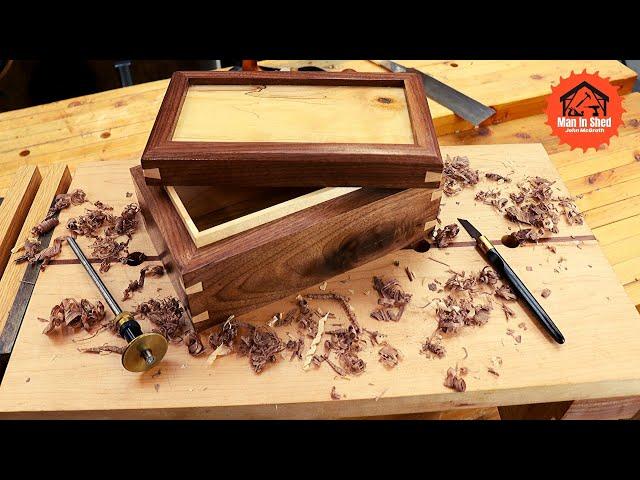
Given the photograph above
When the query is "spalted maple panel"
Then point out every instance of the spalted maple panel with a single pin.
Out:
(294, 113)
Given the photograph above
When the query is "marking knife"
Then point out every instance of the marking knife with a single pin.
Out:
(499, 263)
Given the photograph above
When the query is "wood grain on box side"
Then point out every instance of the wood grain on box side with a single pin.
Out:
(266, 263)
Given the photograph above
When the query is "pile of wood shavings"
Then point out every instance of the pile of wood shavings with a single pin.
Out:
(533, 204)
(73, 314)
(170, 321)
(137, 285)
(458, 175)
(391, 296)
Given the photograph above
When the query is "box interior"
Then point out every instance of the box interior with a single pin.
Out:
(214, 213)
(294, 113)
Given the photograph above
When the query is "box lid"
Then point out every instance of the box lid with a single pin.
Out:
(294, 129)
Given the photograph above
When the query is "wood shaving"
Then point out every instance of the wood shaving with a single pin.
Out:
(458, 175)
(335, 395)
(261, 346)
(545, 293)
(433, 347)
(498, 178)
(389, 356)
(433, 287)
(391, 295)
(442, 237)
(508, 312)
(493, 372)
(104, 349)
(45, 226)
(314, 344)
(218, 352)
(73, 314)
(492, 198)
(410, 275)
(454, 382)
(323, 286)
(170, 320)
(137, 285)
(52, 251)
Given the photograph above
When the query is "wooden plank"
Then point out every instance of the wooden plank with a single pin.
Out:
(55, 181)
(66, 384)
(491, 82)
(14, 210)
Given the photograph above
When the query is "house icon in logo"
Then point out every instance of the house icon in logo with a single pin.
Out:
(581, 99)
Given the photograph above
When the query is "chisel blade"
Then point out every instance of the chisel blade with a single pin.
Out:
(462, 105)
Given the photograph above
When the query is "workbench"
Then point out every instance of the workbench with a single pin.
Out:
(114, 126)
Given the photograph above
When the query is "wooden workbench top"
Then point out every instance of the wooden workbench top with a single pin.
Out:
(48, 377)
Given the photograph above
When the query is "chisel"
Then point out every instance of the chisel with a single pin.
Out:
(465, 107)
(145, 350)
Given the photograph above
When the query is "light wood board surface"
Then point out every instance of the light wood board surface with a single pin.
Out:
(15, 208)
(47, 377)
(607, 180)
(294, 113)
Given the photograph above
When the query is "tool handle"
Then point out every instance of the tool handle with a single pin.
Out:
(523, 293)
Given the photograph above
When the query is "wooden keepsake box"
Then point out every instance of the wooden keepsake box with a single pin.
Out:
(244, 214)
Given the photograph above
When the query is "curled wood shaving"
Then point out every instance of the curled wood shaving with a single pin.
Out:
(295, 347)
(443, 236)
(74, 314)
(458, 175)
(261, 346)
(45, 226)
(389, 356)
(391, 295)
(314, 343)
(226, 335)
(433, 347)
(454, 382)
(218, 352)
(170, 320)
(65, 200)
(88, 225)
(505, 292)
(136, 285)
(526, 235)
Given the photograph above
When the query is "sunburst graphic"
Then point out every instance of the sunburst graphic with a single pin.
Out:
(584, 110)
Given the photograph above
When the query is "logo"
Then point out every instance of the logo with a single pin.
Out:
(584, 110)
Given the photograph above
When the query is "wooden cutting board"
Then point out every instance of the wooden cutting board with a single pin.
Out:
(48, 377)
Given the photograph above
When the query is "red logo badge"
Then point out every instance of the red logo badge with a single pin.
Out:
(584, 110)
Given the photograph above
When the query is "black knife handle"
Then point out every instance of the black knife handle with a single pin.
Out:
(523, 292)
